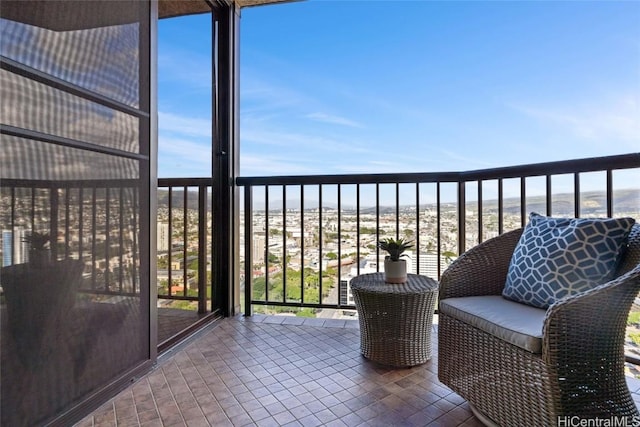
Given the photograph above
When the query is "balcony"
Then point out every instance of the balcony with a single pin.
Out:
(291, 370)
(278, 370)
(306, 369)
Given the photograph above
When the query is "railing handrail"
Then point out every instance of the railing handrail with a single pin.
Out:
(188, 182)
(593, 164)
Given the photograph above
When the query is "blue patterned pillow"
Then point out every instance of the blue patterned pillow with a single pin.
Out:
(558, 257)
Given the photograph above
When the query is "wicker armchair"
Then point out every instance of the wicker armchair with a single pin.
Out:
(579, 368)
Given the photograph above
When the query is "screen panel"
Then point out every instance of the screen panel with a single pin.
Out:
(74, 246)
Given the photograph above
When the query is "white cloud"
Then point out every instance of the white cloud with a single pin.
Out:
(327, 118)
(607, 122)
(370, 167)
(456, 159)
(257, 165)
(184, 125)
(259, 95)
(301, 141)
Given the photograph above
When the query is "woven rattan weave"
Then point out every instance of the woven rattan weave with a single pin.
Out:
(581, 369)
(395, 319)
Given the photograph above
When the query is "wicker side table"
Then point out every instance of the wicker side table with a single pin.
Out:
(395, 319)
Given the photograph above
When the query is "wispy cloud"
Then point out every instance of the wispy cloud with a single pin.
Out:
(454, 159)
(184, 125)
(258, 94)
(336, 120)
(605, 122)
(348, 166)
(183, 157)
(257, 165)
(189, 68)
(296, 141)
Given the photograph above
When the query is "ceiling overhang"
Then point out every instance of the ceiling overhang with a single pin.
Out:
(76, 15)
(171, 8)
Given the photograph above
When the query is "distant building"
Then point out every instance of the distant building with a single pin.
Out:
(164, 240)
(14, 249)
(7, 247)
(367, 265)
(258, 248)
(428, 264)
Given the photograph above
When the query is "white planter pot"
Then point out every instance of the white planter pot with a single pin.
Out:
(395, 271)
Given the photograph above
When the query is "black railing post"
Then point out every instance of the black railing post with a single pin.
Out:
(609, 193)
(202, 248)
(185, 240)
(248, 256)
(576, 194)
(438, 229)
(462, 213)
(549, 195)
(523, 201)
(53, 224)
(480, 211)
(284, 243)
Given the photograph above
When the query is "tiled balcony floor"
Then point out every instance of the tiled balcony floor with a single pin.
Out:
(171, 321)
(283, 371)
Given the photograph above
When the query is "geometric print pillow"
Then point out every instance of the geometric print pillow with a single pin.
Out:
(558, 257)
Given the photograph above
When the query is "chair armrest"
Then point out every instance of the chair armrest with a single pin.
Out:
(482, 270)
(590, 325)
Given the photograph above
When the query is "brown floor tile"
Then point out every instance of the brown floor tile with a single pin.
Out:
(261, 371)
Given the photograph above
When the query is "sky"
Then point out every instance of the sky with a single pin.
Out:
(341, 87)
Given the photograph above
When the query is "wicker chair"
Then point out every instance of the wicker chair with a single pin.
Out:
(579, 370)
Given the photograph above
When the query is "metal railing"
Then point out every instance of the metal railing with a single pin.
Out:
(97, 222)
(184, 236)
(329, 224)
(93, 221)
(304, 236)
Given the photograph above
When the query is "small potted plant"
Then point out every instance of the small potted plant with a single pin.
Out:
(39, 254)
(40, 295)
(395, 269)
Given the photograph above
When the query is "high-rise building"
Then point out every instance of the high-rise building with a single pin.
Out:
(258, 249)
(428, 264)
(7, 247)
(164, 240)
(15, 250)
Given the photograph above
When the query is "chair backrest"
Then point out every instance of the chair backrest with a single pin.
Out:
(631, 257)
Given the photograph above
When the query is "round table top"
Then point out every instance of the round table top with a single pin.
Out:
(374, 282)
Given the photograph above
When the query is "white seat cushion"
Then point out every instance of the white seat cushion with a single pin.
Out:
(515, 323)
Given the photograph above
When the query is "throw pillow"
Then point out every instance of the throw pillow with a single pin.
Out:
(558, 257)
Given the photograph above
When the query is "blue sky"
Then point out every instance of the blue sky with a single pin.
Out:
(333, 87)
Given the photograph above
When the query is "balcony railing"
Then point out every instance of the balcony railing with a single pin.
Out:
(305, 235)
(95, 221)
(184, 239)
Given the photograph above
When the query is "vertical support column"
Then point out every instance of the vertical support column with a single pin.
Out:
(148, 200)
(226, 209)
